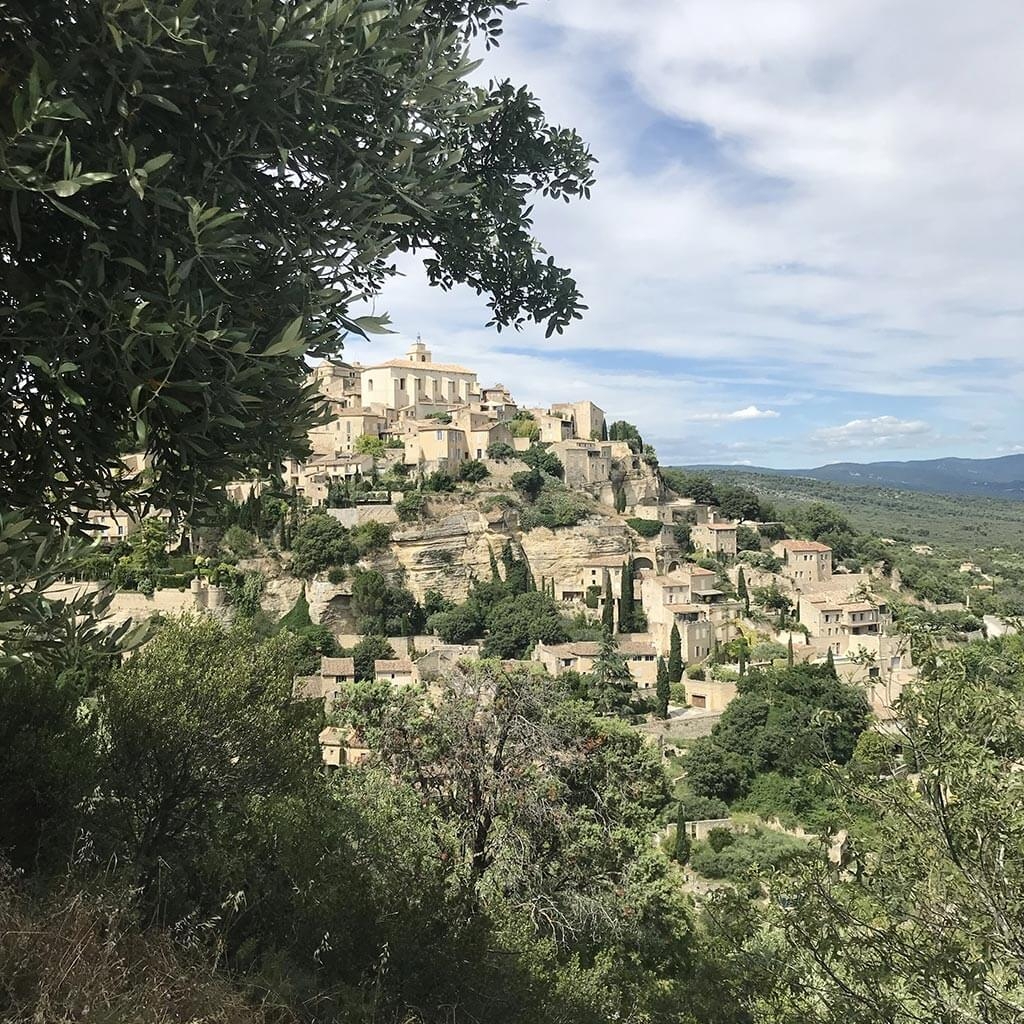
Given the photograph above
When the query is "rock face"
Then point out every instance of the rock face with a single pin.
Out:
(447, 553)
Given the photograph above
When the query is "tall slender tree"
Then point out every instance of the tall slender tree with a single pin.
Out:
(681, 852)
(789, 652)
(626, 605)
(662, 689)
(608, 611)
(675, 655)
(741, 590)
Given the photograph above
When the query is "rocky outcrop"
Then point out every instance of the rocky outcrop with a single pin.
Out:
(447, 553)
(453, 548)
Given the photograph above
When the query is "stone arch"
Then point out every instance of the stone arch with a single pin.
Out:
(642, 562)
(674, 566)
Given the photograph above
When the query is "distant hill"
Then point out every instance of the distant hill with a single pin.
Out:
(1002, 477)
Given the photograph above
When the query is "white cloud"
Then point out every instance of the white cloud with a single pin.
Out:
(751, 412)
(877, 432)
(844, 219)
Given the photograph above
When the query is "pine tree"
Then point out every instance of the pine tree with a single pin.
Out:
(675, 656)
(608, 611)
(611, 684)
(741, 590)
(662, 689)
(626, 599)
(681, 853)
(789, 652)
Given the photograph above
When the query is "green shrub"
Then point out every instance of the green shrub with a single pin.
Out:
(473, 471)
(336, 574)
(648, 528)
(695, 672)
(241, 543)
(555, 506)
(319, 543)
(410, 508)
(500, 451)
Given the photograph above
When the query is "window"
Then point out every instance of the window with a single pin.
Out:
(440, 434)
(369, 384)
(401, 383)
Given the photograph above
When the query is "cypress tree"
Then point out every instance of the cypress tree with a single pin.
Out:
(626, 599)
(681, 853)
(743, 658)
(608, 611)
(495, 575)
(789, 652)
(508, 557)
(741, 590)
(604, 430)
(662, 689)
(830, 663)
(675, 656)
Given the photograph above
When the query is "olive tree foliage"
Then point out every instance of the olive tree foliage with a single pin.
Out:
(547, 806)
(199, 194)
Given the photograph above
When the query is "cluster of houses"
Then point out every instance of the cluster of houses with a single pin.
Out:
(432, 417)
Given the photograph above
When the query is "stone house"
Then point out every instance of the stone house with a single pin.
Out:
(481, 430)
(684, 599)
(397, 671)
(708, 694)
(326, 685)
(804, 561)
(337, 381)
(346, 426)
(342, 746)
(432, 446)
(554, 427)
(840, 622)
(312, 479)
(714, 538)
(585, 462)
(579, 656)
(587, 419)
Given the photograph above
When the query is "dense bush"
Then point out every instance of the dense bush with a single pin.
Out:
(410, 507)
(473, 471)
(648, 528)
(500, 451)
(319, 543)
(776, 724)
(747, 853)
(516, 623)
(384, 608)
(555, 506)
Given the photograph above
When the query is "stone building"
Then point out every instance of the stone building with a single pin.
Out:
(397, 383)
(804, 561)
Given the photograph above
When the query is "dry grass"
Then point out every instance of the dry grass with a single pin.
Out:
(80, 956)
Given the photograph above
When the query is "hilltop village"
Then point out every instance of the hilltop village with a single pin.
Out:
(439, 486)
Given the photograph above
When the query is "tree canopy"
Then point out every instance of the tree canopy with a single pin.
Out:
(199, 194)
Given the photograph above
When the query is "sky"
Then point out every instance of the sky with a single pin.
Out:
(806, 240)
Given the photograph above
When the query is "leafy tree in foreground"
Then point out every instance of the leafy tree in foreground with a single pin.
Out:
(197, 195)
(196, 726)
